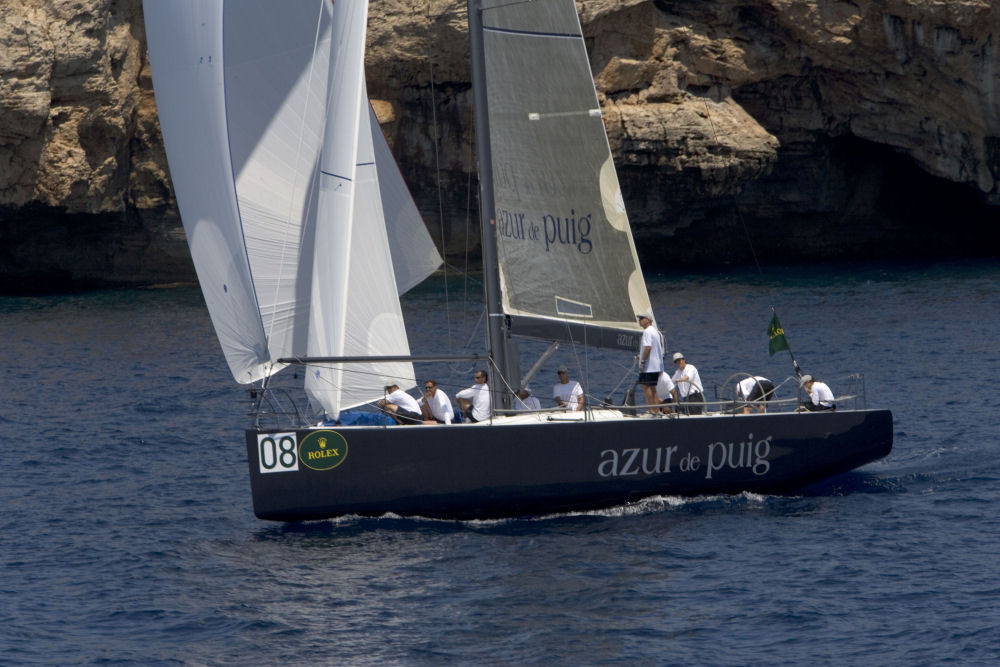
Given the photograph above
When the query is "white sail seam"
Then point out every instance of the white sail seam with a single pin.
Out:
(537, 115)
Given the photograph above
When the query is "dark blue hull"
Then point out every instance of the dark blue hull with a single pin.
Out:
(487, 471)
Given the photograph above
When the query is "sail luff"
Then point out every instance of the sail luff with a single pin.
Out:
(374, 325)
(498, 340)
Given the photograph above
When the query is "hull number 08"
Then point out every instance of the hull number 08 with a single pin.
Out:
(277, 452)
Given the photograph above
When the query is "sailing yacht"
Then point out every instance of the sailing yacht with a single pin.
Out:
(304, 236)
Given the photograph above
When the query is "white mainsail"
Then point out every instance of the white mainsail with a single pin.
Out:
(246, 106)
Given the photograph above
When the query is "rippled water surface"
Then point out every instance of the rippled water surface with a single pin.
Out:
(127, 533)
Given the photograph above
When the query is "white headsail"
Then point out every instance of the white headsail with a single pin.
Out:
(246, 108)
(355, 308)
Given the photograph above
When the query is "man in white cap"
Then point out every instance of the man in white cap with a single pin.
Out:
(688, 384)
(820, 396)
(567, 393)
(650, 359)
(525, 401)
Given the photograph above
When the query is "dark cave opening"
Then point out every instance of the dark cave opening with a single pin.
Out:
(844, 199)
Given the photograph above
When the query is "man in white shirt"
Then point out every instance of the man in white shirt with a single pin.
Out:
(757, 389)
(435, 406)
(525, 401)
(688, 384)
(820, 396)
(567, 393)
(650, 359)
(666, 393)
(402, 407)
(475, 401)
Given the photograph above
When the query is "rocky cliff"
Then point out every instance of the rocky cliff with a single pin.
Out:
(821, 129)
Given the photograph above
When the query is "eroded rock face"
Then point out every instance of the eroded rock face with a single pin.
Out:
(823, 129)
(85, 197)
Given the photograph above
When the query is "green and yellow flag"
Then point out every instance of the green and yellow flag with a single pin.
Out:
(777, 336)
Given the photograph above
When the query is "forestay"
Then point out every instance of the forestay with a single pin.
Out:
(565, 247)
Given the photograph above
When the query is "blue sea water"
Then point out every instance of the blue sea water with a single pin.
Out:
(127, 534)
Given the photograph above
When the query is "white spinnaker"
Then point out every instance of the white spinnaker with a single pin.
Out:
(242, 89)
(355, 309)
(185, 46)
(241, 94)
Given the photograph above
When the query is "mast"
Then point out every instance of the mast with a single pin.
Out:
(498, 340)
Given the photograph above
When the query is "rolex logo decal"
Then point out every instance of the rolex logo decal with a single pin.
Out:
(323, 450)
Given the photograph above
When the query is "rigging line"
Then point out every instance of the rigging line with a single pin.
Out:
(459, 271)
(355, 374)
(739, 214)
(295, 178)
(628, 374)
(453, 370)
(437, 167)
(753, 251)
(468, 222)
(502, 380)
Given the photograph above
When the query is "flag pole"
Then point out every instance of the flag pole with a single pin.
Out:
(778, 340)
(775, 332)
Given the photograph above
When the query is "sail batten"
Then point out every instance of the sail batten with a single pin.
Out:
(533, 33)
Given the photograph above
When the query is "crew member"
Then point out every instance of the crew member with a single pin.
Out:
(475, 402)
(757, 389)
(402, 407)
(435, 406)
(688, 384)
(650, 360)
(567, 393)
(820, 396)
